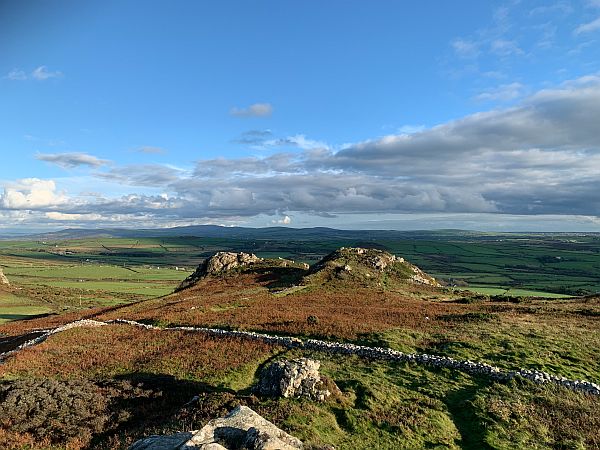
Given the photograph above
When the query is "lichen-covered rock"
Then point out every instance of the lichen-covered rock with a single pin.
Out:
(3, 280)
(366, 264)
(242, 428)
(294, 378)
(217, 264)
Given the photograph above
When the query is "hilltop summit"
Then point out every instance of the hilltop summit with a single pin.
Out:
(217, 264)
(366, 264)
(347, 264)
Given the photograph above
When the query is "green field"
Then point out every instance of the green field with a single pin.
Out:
(69, 274)
(16, 308)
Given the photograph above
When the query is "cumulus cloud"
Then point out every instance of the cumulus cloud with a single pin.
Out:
(72, 160)
(31, 193)
(254, 110)
(285, 220)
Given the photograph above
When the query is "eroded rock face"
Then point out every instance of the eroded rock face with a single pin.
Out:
(3, 280)
(217, 264)
(242, 428)
(294, 378)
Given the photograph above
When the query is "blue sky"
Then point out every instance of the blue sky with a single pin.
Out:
(385, 114)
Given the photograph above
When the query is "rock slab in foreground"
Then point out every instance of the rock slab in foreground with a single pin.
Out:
(242, 428)
(295, 378)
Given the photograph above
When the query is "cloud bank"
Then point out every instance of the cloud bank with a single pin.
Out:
(539, 157)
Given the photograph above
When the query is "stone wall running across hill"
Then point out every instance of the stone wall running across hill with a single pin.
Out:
(378, 353)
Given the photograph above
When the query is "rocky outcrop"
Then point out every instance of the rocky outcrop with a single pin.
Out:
(3, 280)
(242, 428)
(295, 378)
(218, 264)
(366, 264)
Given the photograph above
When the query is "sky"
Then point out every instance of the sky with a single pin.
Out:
(348, 114)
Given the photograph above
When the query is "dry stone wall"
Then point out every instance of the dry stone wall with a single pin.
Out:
(376, 353)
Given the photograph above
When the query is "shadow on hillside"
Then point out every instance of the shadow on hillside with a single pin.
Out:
(459, 403)
(153, 404)
(276, 278)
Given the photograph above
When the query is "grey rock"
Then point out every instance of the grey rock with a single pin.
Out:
(3, 280)
(294, 378)
(241, 429)
(217, 264)
(244, 429)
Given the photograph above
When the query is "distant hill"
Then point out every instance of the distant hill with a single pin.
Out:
(278, 233)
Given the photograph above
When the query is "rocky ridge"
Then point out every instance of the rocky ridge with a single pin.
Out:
(366, 264)
(217, 264)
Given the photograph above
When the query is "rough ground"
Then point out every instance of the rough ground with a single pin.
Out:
(379, 404)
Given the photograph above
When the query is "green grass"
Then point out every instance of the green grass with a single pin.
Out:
(560, 264)
(16, 308)
(514, 292)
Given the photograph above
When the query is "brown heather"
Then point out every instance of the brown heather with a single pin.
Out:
(117, 349)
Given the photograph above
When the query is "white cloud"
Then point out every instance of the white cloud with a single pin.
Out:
(541, 156)
(410, 129)
(71, 160)
(504, 47)
(40, 73)
(285, 220)
(255, 110)
(16, 75)
(31, 193)
(299, 140)
(465, 48)
(504, 92)
(560, 7)
(66, 217)
(589, 27)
